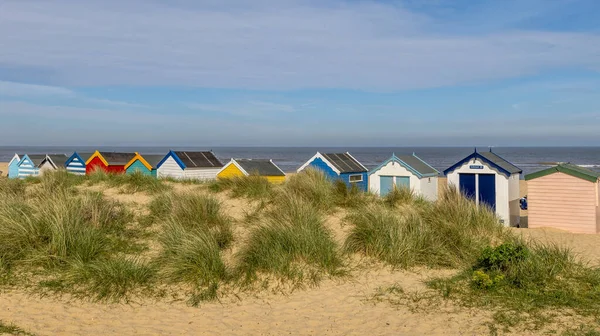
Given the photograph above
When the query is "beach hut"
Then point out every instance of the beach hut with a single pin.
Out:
(76, 163)
(246, 167)
(340, 166)
(52, 162)
(564, 197)
(29, 165)
(407, 171)
(145, 164)
(109, 162)
(489, 179)
(189, 165)
(13, 166)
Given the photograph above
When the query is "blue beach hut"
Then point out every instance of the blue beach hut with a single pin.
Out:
(30, 165)
(340, 166)
(76, 163)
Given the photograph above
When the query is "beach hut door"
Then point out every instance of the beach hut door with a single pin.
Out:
(466, 183)
(403, 182)
(386, 184)
(487, 190)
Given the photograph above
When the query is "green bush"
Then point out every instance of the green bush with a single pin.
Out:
(502, 257)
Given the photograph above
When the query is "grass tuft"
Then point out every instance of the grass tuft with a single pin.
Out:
(192, 257)
(448, 233)
(113, 279)
(292, 244)
(312, 186)
(252, 186)
(12, 188)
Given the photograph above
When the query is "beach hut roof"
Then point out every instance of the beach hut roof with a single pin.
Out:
(153, 159)
(58, 160)
(569, 169)
(36, 159)
(413, 163)
(199, 159)
(150, 161)
(490, 158)
(84, 156)
(344, 162)
(115, 158)
(263, 167)
(193, 160)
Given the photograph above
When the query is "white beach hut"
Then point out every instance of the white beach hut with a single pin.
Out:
(407, 171)
(489, 179)
(189, 165)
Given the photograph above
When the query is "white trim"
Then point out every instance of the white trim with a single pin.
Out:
(47, 158)
(276, 166)
(235, 164)
(359, 174)
(16, 156)
(319, 156)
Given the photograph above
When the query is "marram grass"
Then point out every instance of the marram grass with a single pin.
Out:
(292, 244)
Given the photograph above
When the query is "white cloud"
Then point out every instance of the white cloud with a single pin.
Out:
(269, 45)
(13, 89)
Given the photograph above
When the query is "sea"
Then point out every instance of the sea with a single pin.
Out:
(529, 159)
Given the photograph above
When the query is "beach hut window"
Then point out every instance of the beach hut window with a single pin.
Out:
(356, 178)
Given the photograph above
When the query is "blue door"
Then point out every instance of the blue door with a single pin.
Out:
(487, 190)
(386, 184)
(402, 182)
(466, 183)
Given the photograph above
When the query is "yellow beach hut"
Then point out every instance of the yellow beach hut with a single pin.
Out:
(246, 167)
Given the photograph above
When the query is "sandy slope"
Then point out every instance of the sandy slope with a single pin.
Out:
(332, 309)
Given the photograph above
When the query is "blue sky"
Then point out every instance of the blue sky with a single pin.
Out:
(299, 73)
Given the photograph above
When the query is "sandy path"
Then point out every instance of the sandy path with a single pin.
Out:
(331, 309)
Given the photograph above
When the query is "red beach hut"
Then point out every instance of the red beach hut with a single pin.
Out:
(109, 162)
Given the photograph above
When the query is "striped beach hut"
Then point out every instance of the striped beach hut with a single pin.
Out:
(109, 162)
(53, 162)
(29, 165)
(189, 165)
(340, 166)
(245, 167)
(144, 164)
(489, 179)
(76, 163)
(405, 171)
(13, 166)
(564, 197)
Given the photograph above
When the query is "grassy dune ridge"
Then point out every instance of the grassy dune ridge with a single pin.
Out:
(58, 236)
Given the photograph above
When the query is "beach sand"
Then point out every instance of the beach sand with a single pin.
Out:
(3, 168)
(336, 307)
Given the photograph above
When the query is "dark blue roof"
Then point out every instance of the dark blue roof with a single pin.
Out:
(491, 159)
